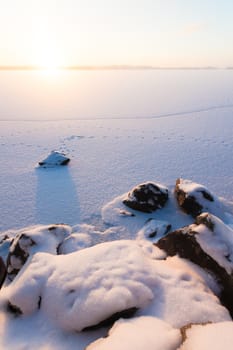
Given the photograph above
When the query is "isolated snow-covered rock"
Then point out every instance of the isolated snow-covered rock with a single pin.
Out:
(2, 271)
(194, 198)
(143, 332)
(215, 336)
(147, 197)
(209, 244)
(54, 159)
(95, 286)
(31, 240)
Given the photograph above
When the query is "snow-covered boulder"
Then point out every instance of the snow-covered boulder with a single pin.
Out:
(216, 336)
(85, 288)
(54, 159)
(148, 333)
(147, 197)
(95, 286)
(2, 271)
(209, 244)
(31, 240)
(195, 199)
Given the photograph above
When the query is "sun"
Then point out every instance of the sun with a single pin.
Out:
(50, 69)
(48, 57)
(49, 62)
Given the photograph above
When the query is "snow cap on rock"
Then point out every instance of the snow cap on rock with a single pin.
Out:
(54, 159)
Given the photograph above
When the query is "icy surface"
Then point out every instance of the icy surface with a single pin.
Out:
(140, 333)
(109, 156)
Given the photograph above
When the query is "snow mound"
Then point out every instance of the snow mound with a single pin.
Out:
(85, 288)
(139, 333)
(153, 230)
(216, 336)
(54, 159)
(114, 213)
(31, 240)
(81, 289)
(85, 236)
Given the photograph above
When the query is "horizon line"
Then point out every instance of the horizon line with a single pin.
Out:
(110, 67)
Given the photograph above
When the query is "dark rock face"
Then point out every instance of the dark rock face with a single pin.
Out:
(206, 220)
(147, 197)
(18, 254)
(2, 272)
(184, 243)
(128, 313)
(192, 202)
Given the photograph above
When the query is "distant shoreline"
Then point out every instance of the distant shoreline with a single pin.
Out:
(111, 67)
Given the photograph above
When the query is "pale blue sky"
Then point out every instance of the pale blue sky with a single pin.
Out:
(106, 32)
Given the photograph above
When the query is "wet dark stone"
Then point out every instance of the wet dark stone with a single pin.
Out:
(146, 197)
(2, 272)
(18, 253)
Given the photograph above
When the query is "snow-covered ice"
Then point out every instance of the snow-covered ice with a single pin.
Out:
(106, 258)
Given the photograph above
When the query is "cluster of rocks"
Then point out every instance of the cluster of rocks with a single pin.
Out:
(192, 198)
(207, 242)
(195, 200)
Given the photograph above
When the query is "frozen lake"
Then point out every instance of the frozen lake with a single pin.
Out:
(58, 95)
(184, 129)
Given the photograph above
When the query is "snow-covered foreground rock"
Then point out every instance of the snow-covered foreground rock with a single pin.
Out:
(84, 289)
(82, 278)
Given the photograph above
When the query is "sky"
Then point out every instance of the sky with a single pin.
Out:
(167, 33)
